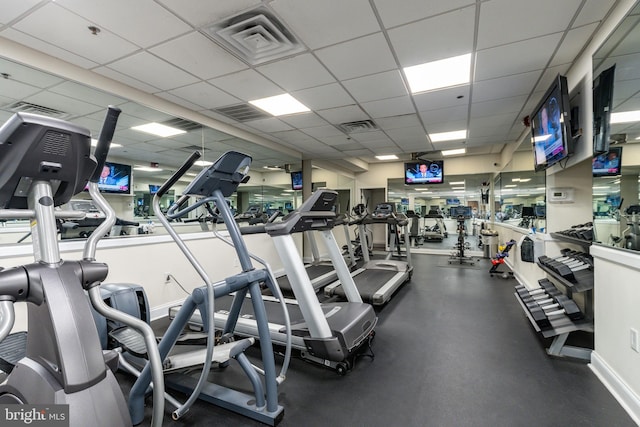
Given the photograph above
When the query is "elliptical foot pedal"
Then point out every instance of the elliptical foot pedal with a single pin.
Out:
(12, 349)
(130, 340)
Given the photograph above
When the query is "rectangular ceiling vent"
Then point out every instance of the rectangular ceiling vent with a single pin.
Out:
(358, 126)
(27, 107)
(242, 112)
(256, 36)
(182, 124)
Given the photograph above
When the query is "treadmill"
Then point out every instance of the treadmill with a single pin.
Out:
(377, 280)
(321, 272)
(332, 333)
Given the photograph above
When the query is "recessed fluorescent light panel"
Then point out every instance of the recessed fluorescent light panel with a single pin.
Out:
(94, 143)
(280, 105)
(448, 136)
(202, 163)
(439, 74)
(625, 117)
(453, 152)
(146, 169)
(387, 157)
(158, 129)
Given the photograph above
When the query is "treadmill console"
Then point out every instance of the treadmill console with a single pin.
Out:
(383, 211)
(460, 211)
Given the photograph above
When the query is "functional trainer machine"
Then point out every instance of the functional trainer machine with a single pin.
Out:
(43, 163)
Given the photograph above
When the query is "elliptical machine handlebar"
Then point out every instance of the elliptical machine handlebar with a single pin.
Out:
(177, 175)
(104, 140)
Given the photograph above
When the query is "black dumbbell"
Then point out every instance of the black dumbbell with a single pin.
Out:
(563, 305)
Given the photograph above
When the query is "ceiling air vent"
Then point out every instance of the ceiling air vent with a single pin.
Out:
(242, 112)
(182, 124)
(358, 126)
(256, 36)
(27, 107)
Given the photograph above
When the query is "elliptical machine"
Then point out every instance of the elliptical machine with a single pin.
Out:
(631, 234)
(43, 163)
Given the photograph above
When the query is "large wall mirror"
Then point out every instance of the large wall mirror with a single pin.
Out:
(147, 160)
(616, 208)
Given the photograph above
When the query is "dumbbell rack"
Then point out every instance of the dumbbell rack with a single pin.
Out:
(562, 326)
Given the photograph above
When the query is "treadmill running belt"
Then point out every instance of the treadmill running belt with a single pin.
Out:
(368, 283)
(313, 271)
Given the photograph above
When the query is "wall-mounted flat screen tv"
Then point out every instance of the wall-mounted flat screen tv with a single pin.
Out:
(115, 178)
(296, 180)
(550, 126)
(424, 172)
(602, 105)
(609, 163)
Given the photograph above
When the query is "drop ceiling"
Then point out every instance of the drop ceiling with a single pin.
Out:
(345, 63)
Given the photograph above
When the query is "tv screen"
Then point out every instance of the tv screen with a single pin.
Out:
(602, 105)
(153, 189)
(115, 178)
(296, 180)
(424, 172)
(460, 211)
(550, 122)
(609, 163)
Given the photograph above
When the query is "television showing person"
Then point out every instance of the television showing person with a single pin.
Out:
(106, 176)
(612, 161)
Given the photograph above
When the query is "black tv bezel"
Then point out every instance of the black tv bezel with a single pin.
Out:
(595, 172)
(415, 165)
(560, 85)
(293, 175)
(603, 87)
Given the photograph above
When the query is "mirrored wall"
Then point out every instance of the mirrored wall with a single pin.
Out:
(616, 209)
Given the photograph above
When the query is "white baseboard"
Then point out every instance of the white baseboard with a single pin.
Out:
(623, 394)
(163, 310)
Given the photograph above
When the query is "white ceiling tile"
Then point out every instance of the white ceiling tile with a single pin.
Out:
(593, 11)
(180, 101)
(165, 76)
(335, 140)
(497, 106)
(158, 23)
(269, 125)
(389, 107)
(205, 95)
(300, 72)
(354, 59)
(497, 124)
(573, 43)
(302, 121)
(291, 136)
(372, 136)
(452, 97)
(504, 15)
(447, 126)
(11, 9)
(414, 43)
(374, 87)
(311, 19)
(199, 55)
(84, 93)
(408, 134)
(201, 12)
(28, 75)
(17, 90)
(379, 144)
(247, 85)
(323, 97)
(444, 115)
(520, 84)
(349, 113)
(413, 10)
(123, 78)
(509, 59)
(322, 131)
(59, 27)
(398, 122)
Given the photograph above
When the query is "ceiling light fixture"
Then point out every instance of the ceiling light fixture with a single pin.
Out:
(440, 74)
(158, 129)
(387, 157)
(202, 163)
(146, 168)
(448, 136)
(280, 105)
(453, 152)
(94, 143)
(625, 117)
